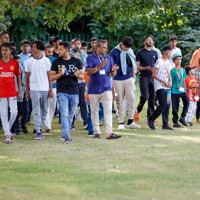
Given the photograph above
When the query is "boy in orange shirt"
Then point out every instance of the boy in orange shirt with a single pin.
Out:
(191, 84)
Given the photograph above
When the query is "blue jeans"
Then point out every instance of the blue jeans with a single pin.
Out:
(68, 104)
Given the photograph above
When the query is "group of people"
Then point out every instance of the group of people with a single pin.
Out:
(41, 75)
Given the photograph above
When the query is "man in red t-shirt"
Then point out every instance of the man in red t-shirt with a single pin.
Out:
(9, 68)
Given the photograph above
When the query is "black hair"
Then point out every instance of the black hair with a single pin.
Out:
(51, 40)
(127, 41)
(173, 38)
(99, 41)
(25, 42)
(3, 33)
(84, 44)
(74, 40)
(146, 36)
(16, 57)
(49, 46)
(65, 44)
(56, 39)
(7, 45)
(166, 48)
(93, 39)
(13, 43)
(40, 45)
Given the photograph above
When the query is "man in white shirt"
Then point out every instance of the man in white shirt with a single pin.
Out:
(38, 85)
(173, 42)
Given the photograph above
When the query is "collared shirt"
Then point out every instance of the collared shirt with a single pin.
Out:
(100, 81)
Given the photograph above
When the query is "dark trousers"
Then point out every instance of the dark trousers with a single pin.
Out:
(147, 93)
(162, 108)
(198, 110)
(23, 111)
(175, 105)
(82, 103)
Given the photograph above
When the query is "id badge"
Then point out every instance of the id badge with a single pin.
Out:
(102, 72)
(196, 98)
(181, 89)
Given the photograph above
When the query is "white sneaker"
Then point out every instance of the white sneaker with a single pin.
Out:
(121, 127)
(133, 125)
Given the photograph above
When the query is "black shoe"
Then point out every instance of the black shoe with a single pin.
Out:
(167, 127)
(25, 130)
(182, 121)
(176, 125)
(190, 124)
(151, 124)
(97, 135)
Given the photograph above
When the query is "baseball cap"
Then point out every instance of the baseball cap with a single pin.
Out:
(188, 68)
(175, 56)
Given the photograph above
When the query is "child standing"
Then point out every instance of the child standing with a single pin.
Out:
(191, 84)
(9, 68)
(178, 91)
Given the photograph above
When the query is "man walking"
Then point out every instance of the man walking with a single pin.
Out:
(99, 67)
(66, 70)
(124, 81)
(38, 85)
(145, 60)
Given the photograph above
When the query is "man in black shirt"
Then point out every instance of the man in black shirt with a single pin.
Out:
(145, 60)
(66, 70)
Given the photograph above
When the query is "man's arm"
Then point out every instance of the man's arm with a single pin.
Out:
(28, 85)
(54, 76)
(97, 68)
(50, 85)
(18, 85)
(139, 68)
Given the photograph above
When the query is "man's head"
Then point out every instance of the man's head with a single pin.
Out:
(4, 37)
(177, 59)
(76, 44)
(49, 50)
(102, 46)
(127, 42)
(57, 40)
(148, 41)
(6, 50)
(37, 47)
(84, 46)
(173, 41)
(190, 70)
(93, 43)
(167, 51)
(25, 46)
(63, 49)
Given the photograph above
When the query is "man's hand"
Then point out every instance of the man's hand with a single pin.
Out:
(51, 94)
(27, 95)
(18, 93)
(114, 68)
(63, 69)
(149, 68)
(103, 63)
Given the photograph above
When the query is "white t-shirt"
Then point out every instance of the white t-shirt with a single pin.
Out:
(38, 69)
(163, 67)
(174, 51)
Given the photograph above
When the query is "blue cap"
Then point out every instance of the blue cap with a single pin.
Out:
(175, 56)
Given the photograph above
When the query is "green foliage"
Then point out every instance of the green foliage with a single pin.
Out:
(189, 42)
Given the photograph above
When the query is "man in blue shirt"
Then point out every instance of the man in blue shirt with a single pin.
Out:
(124, 81)
(99, 67)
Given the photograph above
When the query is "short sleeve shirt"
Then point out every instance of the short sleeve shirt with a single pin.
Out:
(38, 69)
(163, 67)
(100, 81)
(7, 81)
(67, 83)
(146, 58)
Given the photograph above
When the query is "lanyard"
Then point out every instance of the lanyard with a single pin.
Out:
(100, 60)
(180, 76)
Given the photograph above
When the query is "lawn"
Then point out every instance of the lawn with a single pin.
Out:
(142, 165)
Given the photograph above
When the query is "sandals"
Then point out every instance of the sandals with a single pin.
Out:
(113, 136)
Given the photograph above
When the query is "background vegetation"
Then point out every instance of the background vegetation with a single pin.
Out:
(110, 19)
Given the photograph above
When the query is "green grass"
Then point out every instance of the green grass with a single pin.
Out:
(142, 165)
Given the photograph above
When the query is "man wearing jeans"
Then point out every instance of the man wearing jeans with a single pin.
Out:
(66, 70)
(99, 67)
